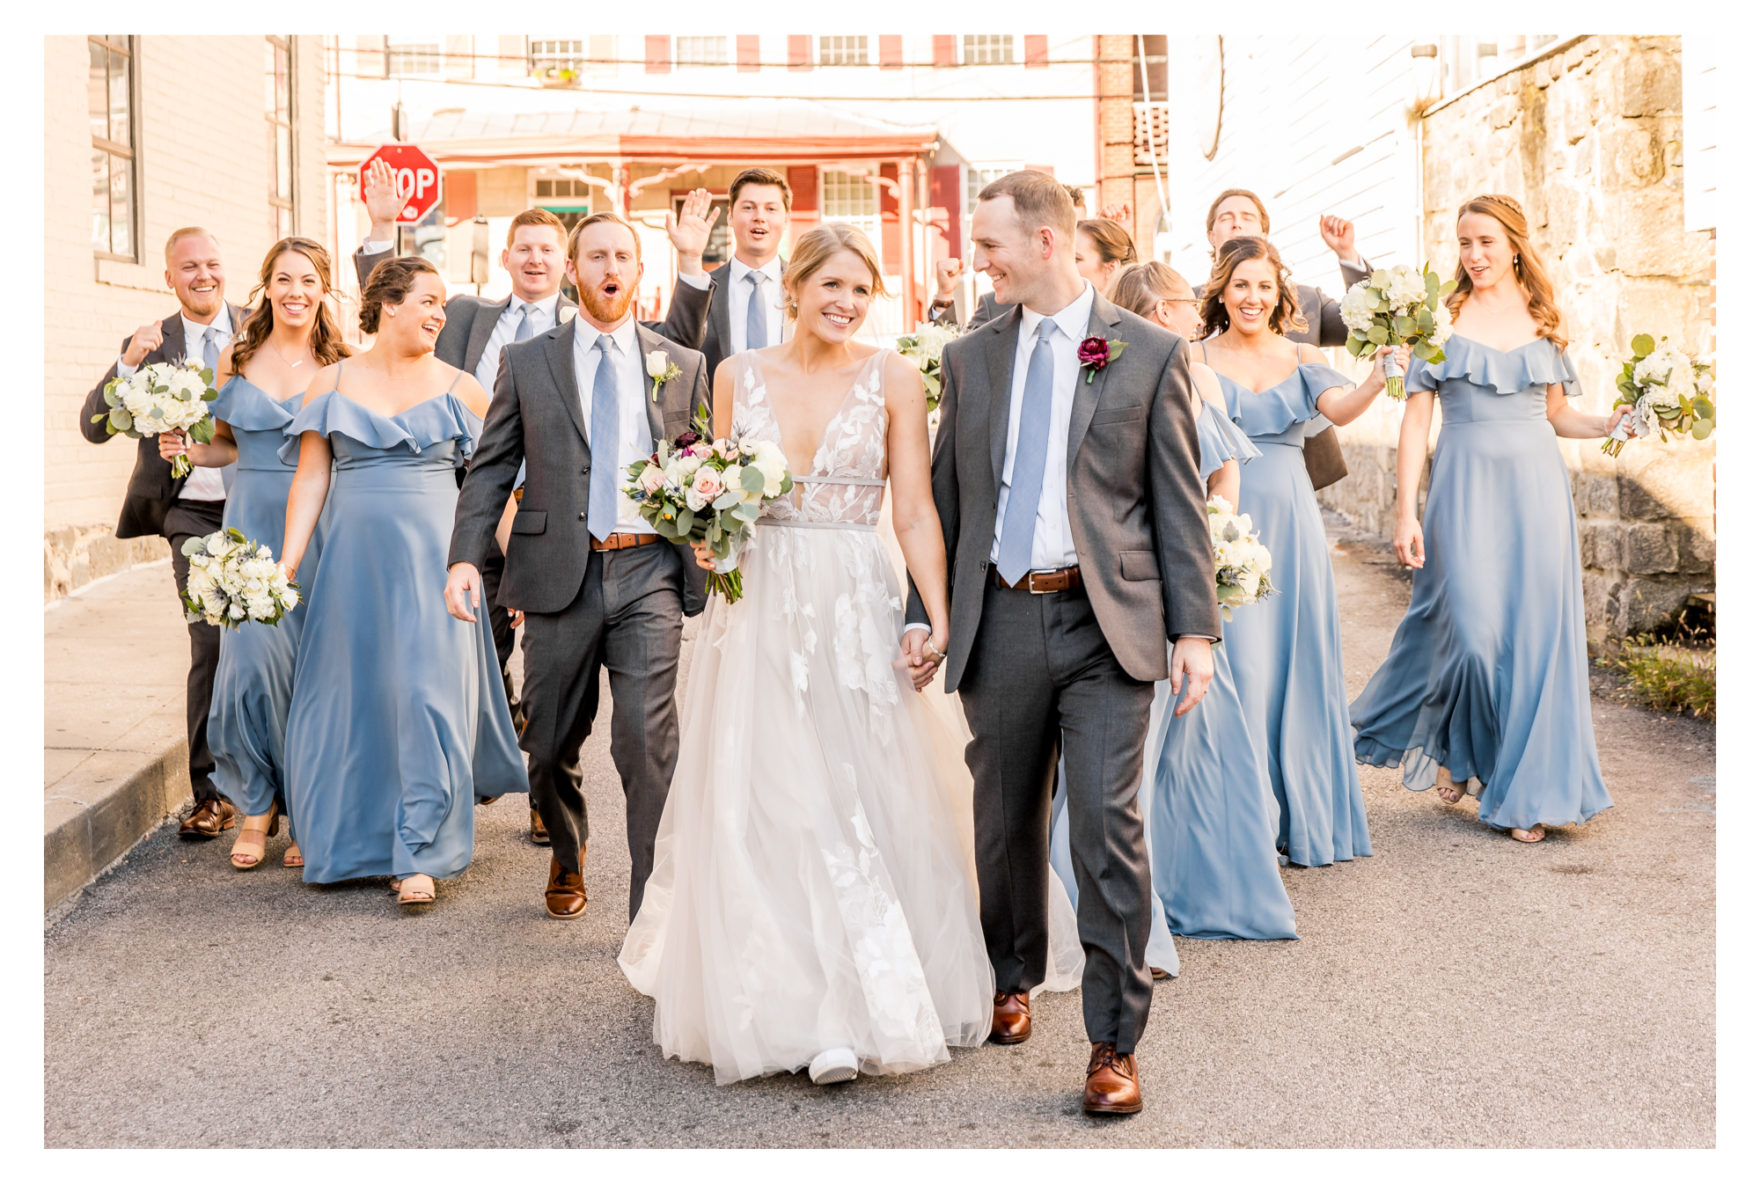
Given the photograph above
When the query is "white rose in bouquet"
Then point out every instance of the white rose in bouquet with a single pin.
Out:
(771, 462)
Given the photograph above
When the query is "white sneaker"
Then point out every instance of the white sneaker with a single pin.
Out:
(835, 1066)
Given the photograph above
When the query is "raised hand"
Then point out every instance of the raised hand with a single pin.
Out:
(947, 272)
(1340, 236)
(145, 340)
(379, 194)
(689, 230)
(1120, 213)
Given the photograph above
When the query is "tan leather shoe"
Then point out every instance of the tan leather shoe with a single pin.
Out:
(540, 834)
(208, 819)
(1011, 1019)
(566, 897)
(1112, 1083)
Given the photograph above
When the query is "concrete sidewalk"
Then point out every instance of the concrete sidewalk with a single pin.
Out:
(115, 760)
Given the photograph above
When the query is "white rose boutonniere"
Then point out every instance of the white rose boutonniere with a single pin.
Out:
(661, 369)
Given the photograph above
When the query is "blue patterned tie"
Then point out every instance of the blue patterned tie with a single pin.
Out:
(211, 349)
(602, 490)
(526, 314)
(1014, 556)
(757, 327)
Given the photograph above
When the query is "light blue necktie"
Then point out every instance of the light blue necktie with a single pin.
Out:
(211, 349)
(602, 490)
(757, 327)
(1014, 556)
(526, 314)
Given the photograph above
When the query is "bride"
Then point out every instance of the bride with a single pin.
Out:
(813, 901)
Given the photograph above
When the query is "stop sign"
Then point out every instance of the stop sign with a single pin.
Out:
(418, 179)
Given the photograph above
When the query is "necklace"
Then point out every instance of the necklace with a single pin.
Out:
(282, 358)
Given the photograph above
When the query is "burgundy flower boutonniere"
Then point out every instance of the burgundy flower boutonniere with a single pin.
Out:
(1096, 353)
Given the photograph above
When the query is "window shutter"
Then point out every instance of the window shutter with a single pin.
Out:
(1037, 51)
(659, 55)
(746, 48)
(889, 239)
(800, 53)
(944, 52)
(369, 57)
(891, 52)
(946, 209)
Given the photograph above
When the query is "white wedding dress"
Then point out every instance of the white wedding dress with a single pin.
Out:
(813, 885)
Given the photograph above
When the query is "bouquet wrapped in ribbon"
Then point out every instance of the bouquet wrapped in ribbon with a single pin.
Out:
(1243, 565)
(233, 580)
(1397, 306)
(158, 398)
(694, 489)
(924, 350)
(1669, 392)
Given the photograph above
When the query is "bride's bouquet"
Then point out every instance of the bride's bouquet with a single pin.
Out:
(693, 489)
(1243, 565)
(234, 580)
(924, 350)
(1396, 306)
(1669, 392)
(157, 398)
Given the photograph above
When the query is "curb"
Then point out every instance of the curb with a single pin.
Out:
(118, 799)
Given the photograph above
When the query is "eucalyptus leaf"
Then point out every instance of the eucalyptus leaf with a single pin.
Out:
(1702, 428)
(121, 420)
(1642, 345)
(1377, 335)
(752, 479)
(728, 499)
(1432, 284)
(1703, 407)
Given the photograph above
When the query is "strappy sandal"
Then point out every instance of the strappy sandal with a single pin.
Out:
(292, 857)
(1450, 793)
(260, 844)
(416, 894)
(1528, 836)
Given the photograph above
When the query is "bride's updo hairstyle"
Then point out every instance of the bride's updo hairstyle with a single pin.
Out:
(1285, 316)
(815, 248)
(390, 283)
(1530, 272)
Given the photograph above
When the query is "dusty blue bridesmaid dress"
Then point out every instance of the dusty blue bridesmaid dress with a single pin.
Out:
(1488, 673)
(253, 682)
(1286, 652)
(398, 721)
(1212, 815)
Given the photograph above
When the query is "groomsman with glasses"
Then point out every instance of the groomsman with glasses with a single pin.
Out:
(157, 504)
(478, 329)
(746, 311)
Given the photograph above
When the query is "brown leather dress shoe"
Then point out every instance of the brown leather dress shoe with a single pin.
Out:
(566, 897)
(540, 834)
(1011, 1020)
(1112, 1083)
(208, 819)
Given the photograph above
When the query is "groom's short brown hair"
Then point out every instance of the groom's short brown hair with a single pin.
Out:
(574, 235)
(1038, 200)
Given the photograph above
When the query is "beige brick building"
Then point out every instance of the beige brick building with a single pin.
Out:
(122, 103)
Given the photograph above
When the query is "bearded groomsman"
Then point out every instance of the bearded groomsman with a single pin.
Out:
(747, 309)
(598, 587)
(157, 504)
(478, 329)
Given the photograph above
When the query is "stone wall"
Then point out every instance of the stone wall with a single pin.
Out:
(1588, 139)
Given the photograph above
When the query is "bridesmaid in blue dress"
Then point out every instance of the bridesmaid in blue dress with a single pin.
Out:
(1487, 683)
(262, 380)
(399, 719)
(1286, 652)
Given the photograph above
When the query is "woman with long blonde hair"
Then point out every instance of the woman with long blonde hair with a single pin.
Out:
(1486, 687)
(262, 381)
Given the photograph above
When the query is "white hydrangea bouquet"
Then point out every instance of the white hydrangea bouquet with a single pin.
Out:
(924, 350)
(1395, 306)
(694, 488)
(158, 398)
(234, 580)
(1669, 392)
(1243, 565)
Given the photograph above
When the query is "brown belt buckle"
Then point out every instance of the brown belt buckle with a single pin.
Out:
(1032, 583)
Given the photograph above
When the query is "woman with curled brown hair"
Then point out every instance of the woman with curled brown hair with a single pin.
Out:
(262, 378)
(1287, 651)
(398, 714)
(1102, 249)
(1486, 687)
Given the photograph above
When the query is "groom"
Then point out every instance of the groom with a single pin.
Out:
(597, 585)
(1066, 478)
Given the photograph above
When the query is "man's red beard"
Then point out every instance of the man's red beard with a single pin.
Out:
(607, 310)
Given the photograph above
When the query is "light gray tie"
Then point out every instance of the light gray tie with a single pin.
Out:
(1014, 555)
(527, 312)
(757, 327)
(603, 439)
(211, 349)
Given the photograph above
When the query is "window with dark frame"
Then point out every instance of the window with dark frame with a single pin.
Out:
(988, 49)
(278, 109)
(110, 102)
(843, 50)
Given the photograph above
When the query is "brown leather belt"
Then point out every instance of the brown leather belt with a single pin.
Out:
(1043, 581)
(618, 540)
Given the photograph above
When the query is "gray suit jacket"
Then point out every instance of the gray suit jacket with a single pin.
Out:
(987, 310)
(718, 337)
(1136, 504)
(150, 487)
(470, 320)
(535, 417)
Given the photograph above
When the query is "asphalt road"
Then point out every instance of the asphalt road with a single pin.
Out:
(1457, 989)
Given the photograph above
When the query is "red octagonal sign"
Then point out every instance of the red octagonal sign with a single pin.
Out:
(418, 179)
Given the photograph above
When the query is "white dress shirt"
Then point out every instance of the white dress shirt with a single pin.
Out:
(204, 482)
(635, 439)
(739, 294)
(543, 319)
(1054, 545)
